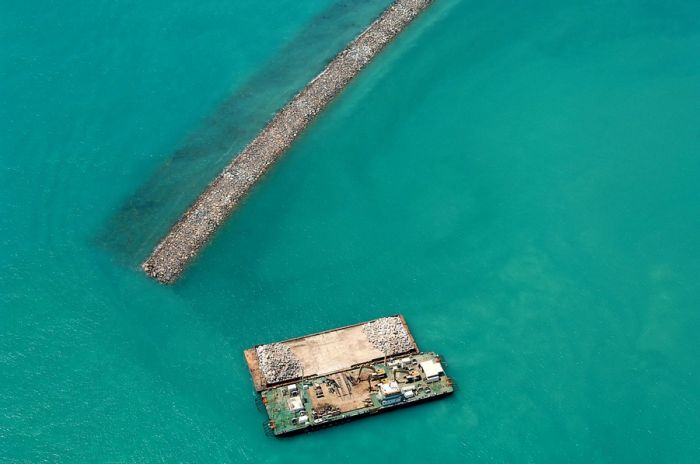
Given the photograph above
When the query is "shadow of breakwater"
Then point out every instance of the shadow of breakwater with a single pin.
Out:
(145, 217)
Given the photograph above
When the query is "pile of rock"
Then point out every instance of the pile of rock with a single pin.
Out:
(388, 335)
(278, 363)
(225, 193)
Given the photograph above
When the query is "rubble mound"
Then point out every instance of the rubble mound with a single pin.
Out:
(278, 363)
(388, 335)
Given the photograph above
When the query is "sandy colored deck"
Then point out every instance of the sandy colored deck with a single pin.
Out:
(326, 352)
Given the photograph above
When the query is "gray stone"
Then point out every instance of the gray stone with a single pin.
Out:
(194, 229)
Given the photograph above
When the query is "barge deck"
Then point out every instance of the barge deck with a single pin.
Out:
(330, 377)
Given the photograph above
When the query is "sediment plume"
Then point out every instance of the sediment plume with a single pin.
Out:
(199, 223)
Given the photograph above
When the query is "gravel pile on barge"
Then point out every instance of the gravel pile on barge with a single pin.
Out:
(278, 363)
(187, 237)
(388, 335)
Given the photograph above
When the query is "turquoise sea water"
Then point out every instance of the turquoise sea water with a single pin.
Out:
(519, 179)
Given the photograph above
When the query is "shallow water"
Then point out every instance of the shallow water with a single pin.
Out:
(146, 216)
(519, 179)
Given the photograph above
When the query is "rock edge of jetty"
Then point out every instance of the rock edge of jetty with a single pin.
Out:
(199, 223)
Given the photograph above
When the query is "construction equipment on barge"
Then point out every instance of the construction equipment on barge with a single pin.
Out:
(331, 377)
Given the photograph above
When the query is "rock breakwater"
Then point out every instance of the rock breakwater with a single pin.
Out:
(199, 223)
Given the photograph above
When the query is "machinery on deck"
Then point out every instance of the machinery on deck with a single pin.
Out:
(345, 384)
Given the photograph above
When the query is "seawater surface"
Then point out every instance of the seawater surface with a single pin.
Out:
(519, 179)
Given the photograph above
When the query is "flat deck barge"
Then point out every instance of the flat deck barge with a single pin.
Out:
(330, 377)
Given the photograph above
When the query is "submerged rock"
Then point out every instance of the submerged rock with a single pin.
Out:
(189, 235)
